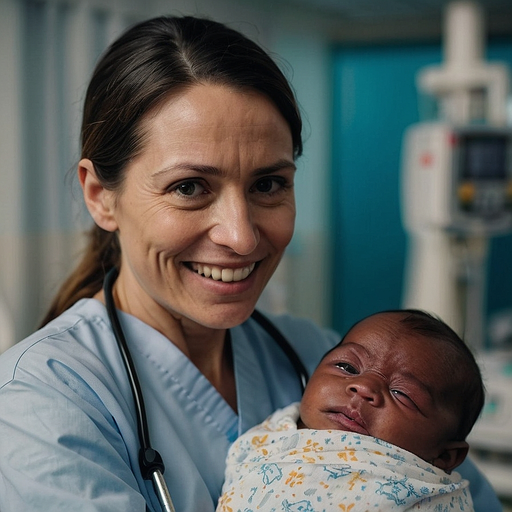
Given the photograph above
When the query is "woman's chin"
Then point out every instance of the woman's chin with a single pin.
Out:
(227, 316)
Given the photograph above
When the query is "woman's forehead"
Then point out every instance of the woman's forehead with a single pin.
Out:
(208, 121)
(214, 104)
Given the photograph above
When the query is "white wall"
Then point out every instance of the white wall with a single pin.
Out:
(10, 190)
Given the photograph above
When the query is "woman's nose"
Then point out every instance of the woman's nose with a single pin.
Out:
(234, 226)
(367, 387)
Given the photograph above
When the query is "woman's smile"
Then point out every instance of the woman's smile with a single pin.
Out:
(224, 274)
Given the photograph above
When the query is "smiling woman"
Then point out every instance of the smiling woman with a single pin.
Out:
(189, 137)
(211, 187)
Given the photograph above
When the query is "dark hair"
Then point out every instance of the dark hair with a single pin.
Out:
(140, 70)
(466, 391)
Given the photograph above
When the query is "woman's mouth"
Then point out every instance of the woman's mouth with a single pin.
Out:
(226, 275)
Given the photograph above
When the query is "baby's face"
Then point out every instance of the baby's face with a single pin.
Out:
(384, 383)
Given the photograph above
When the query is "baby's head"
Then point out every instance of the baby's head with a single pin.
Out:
(402, 376)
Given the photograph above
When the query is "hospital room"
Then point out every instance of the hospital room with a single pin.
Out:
(402, 200)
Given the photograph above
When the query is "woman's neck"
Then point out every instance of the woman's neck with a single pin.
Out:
(208, 349)
(214, 359)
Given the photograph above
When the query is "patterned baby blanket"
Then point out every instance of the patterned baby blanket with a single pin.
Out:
(274, 467)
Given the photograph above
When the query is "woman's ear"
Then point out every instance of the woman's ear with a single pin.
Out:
(99, 201)
(452, 456)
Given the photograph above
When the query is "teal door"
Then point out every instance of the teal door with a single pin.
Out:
(375, 99)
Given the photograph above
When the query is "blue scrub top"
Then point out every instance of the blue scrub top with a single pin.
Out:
(68, 434)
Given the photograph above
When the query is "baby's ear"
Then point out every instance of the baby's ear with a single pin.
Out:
(452, 456)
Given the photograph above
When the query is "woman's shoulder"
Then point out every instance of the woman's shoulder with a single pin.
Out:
(76, 332)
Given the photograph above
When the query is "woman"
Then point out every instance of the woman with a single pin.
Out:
(189, 137)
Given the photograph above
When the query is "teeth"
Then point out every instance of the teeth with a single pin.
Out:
(226, 275)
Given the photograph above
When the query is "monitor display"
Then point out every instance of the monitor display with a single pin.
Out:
(484, 157)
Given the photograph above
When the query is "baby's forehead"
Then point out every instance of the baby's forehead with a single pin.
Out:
(384, 340)
(387, 327)
(390, 318)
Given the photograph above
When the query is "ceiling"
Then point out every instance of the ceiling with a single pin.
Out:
(395, 9)
(363, 19)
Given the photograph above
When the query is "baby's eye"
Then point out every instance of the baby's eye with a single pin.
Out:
(347, 367)
(403, 398)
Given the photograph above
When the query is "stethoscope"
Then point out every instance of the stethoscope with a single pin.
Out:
(150, 461)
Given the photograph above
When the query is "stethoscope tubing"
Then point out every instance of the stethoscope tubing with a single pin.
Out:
(150, 461)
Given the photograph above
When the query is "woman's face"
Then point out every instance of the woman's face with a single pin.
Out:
(206, 209)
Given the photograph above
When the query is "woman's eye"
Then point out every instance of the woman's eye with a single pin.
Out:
(269, 185)
(347, 367)
(189, 189)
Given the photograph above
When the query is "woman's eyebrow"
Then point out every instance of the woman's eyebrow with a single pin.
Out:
(215, 171)
(277, 166)
(185, 166)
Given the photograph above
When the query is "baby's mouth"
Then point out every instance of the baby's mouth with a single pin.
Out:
(226, 275)
(350, 420)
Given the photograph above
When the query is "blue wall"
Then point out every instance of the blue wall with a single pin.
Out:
(375, 99)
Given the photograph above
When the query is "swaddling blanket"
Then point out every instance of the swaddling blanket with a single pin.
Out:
(275, 467)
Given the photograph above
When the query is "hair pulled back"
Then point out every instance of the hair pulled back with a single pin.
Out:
(139, 70)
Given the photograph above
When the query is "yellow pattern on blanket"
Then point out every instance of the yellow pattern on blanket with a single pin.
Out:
(276, 467)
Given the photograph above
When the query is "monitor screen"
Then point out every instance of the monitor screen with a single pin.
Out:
(484, 157)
